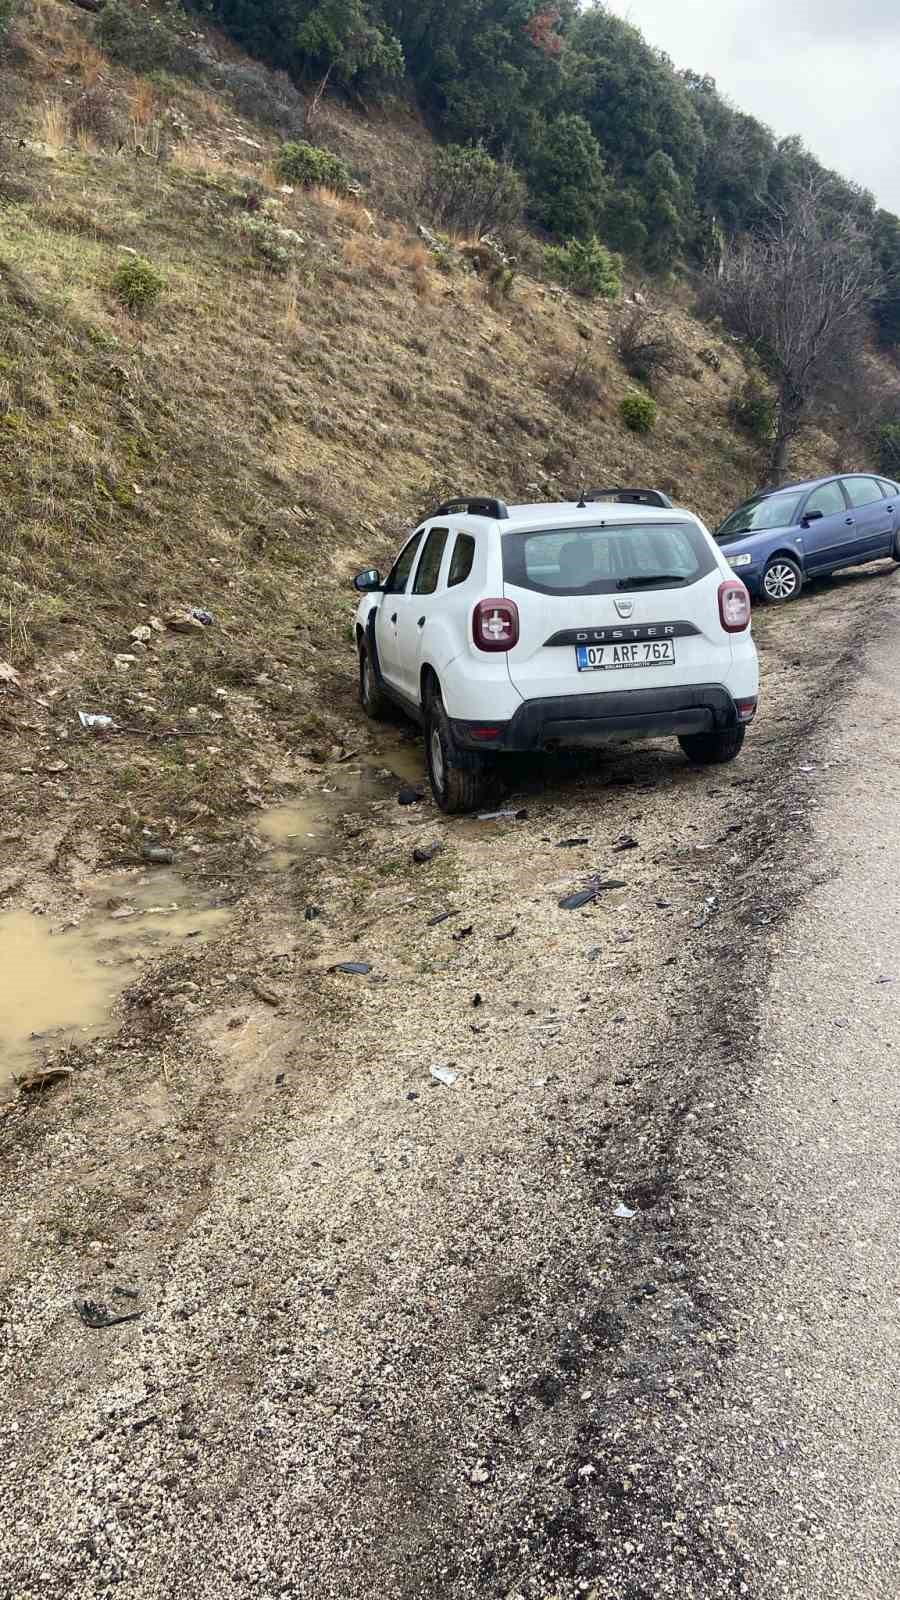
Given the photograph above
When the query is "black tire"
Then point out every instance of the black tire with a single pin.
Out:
(461, 780)
(895, 553)
(372, 697)
(711, 749)
(781, 581)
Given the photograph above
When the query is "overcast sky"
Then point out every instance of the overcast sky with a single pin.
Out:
(826, 69)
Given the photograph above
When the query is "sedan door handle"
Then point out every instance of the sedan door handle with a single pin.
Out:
(421, 622)
(849, 521)
(394, 617)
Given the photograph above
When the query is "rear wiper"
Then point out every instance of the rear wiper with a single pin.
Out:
(643, 580)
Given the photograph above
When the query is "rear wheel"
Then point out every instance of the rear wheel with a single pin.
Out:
(710, 749)
(896, 550)
(372, 697)
(461, 780)
(782, 581)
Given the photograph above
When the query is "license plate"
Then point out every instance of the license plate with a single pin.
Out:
(606, 657)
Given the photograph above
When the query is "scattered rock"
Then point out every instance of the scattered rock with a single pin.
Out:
(123, 661)
(626, 842)
(425, 853)
(481, 1473)
(184, 622)
(142, 634)
(31, 1082)
(264, 992)
(9, 676)
(158, 855)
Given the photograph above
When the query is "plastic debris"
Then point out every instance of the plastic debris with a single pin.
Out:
(409, 797)
(621, 1210)
(501, 816)
(442, 916)
(574, 902)
(357, 969)
(95, 721)
(96, 1316)
(463, 933)
(444, 1075)
(885, 980)
(200, 615)
(570, 844)
(509, 934)
(626, 841)
(425, 853)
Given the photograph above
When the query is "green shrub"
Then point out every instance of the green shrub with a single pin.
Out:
(8, 9)
(638, 412)
(137, 285)
(587, 267)
(889, 448)
(463, 187)
(276, 246)
(145, 42)
(753, 408)
(313, 168)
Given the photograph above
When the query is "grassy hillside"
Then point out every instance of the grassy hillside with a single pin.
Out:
(253, 437)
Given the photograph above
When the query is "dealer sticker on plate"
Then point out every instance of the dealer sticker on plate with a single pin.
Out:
(606, 657)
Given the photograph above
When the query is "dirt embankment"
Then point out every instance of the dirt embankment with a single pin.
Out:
(394, 1333)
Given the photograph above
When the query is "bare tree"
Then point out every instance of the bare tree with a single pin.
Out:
(798, 292)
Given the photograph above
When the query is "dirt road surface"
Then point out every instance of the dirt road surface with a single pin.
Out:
(611, 1312)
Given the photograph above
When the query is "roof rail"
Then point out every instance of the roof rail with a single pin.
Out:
(473, 506)
(628, 497)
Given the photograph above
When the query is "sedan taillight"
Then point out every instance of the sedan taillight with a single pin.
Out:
(495, 624)
(734, 606)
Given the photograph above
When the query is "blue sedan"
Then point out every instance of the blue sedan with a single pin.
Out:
(781, 537)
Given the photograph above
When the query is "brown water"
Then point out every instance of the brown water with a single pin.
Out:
(58, 982)
(310, 822)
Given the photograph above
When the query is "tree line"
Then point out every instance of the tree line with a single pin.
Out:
(610, 138)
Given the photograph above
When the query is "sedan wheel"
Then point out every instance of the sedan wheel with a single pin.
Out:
(782, 581)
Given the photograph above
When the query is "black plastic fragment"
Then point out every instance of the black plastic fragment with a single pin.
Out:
(464, 933)
(409, 797)
(424, 853)
(570, 844)
(94, 1316)
(574, 902)
(357, 968)
(626, 842)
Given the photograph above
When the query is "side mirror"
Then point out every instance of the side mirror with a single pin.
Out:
(368, 581)
(810, 516)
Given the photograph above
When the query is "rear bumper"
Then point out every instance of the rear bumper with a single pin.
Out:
(596, 719)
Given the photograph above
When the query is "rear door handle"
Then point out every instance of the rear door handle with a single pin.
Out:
(421, 622)
(394, 617)
(849, 521)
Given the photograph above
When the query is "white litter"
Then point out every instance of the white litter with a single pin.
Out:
(444, 1075)
(623, 1211)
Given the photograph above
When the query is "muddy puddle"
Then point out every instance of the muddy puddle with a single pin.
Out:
(59, 978)
(310, 823)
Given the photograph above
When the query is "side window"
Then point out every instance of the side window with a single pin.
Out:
(889, 490)
(462, 560)
(399, 575)
(828, 500)
(862, 491)
(430, 562)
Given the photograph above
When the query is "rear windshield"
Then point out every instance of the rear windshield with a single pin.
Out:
(755, 516)
(600, 560)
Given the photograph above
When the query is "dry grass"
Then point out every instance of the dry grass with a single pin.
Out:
(87, 62)
(142, 103)
(53, 123)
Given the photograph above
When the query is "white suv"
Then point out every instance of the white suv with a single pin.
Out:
(536, 627)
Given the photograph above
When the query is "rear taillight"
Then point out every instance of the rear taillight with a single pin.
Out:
(734, 606)
(495, 625)
(746, 709)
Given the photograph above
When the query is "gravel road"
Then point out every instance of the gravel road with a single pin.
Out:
(614, 1313)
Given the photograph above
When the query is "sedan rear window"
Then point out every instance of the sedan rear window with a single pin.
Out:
(602, 559)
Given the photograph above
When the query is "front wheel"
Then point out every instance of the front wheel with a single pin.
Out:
(782, 581)
(711, 749)
(460, 780)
